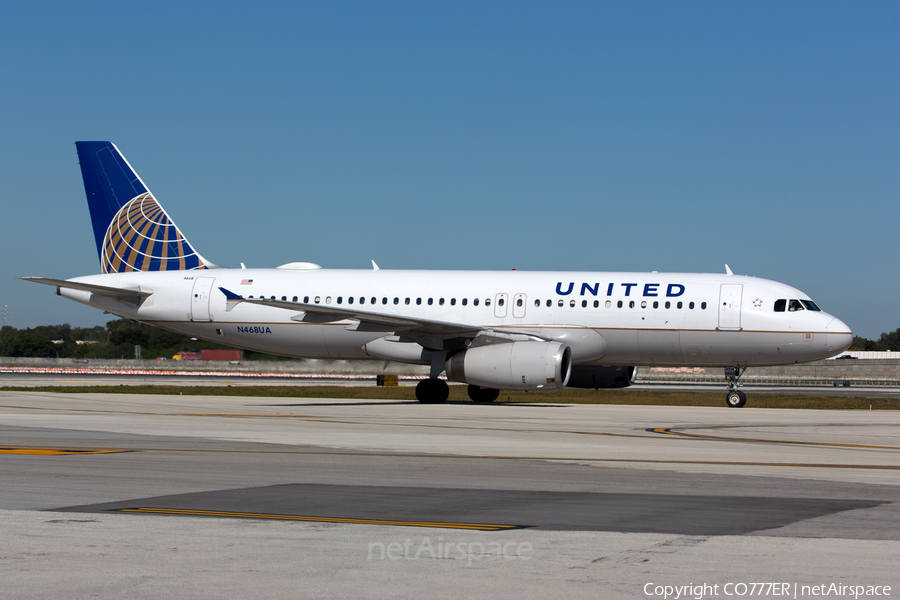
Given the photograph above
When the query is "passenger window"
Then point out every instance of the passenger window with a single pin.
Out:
(608, 304)
(272, 298)
(374, 300)
(501, 302)
(631, 304)
(452, 301)
(362, 299)
(327, 299)
(619, 304)
(406, 302)
(668, 304)
(643, 304)
(679, 305)
(349, 299)
(560, 303)
(703, 306)
(284, 298)
(384, 299)
(318, 299)
(780, 305)
(295, 299)
(340, 299)
(418, 301)
(465, 301)
(795, 306)
(305, 299)
(596, 304)
(519, 302)
(396, 300)
(441, 301)
(549, 303)
(572, 303)
(655, 304)
(584, 304)
(474, 301)
(691, 305)
(487, 301)
(537, 303)
(430, 301)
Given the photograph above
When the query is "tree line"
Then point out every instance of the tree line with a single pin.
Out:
(116, 340)
(887, 341)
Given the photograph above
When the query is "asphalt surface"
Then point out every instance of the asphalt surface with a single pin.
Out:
(10, 379)
(147, 496)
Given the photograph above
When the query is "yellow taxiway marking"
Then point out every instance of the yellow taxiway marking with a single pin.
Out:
(673, 431)
(52, 451)
(243, 515)
(56, 451)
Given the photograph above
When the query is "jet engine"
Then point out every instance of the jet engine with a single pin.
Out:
(587, 376)
(521, 365)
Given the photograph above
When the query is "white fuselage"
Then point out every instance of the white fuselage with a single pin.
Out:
(605, 318)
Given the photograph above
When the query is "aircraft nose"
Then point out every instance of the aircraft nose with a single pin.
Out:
(839, 337)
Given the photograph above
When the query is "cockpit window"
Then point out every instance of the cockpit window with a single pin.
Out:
(780, 304)
(794, 306)
(810, 305)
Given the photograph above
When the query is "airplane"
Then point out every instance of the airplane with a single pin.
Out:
(492, 330)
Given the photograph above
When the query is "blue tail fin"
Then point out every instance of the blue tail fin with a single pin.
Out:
(132, 231)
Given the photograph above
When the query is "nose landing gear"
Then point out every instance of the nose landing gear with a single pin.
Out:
(735, 398)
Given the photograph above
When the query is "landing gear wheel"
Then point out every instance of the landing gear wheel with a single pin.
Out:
(736, 399)
(432, 391)
(482, 394)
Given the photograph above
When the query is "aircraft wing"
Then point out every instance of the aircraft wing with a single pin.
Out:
(102, 290)
(427, 332)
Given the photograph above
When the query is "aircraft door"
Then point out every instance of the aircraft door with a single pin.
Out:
(519, 306)
(200, 299)
(730, 306)
(500, 307)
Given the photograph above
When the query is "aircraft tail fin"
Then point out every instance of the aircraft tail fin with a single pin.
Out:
(132, 231)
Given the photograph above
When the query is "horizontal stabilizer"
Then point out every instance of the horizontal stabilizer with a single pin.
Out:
(89, 287)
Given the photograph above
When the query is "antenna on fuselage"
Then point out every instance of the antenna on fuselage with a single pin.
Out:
(374, 266)
(728, 270)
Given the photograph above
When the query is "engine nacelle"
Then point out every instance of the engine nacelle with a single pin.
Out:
(586, 376)
(513, 366)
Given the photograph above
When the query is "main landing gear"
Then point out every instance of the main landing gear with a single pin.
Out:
(483, 394)
(735, 397)
(432, 391)
(436, 391)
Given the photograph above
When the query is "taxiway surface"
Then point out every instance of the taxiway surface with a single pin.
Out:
(262, 497)
(25, 380)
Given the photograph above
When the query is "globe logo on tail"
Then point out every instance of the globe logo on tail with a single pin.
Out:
(142, 237)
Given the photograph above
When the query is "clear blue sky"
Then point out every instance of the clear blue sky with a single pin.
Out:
(566, 136)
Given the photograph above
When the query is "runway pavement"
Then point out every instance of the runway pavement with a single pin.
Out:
(13, 379)
(145, 496)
